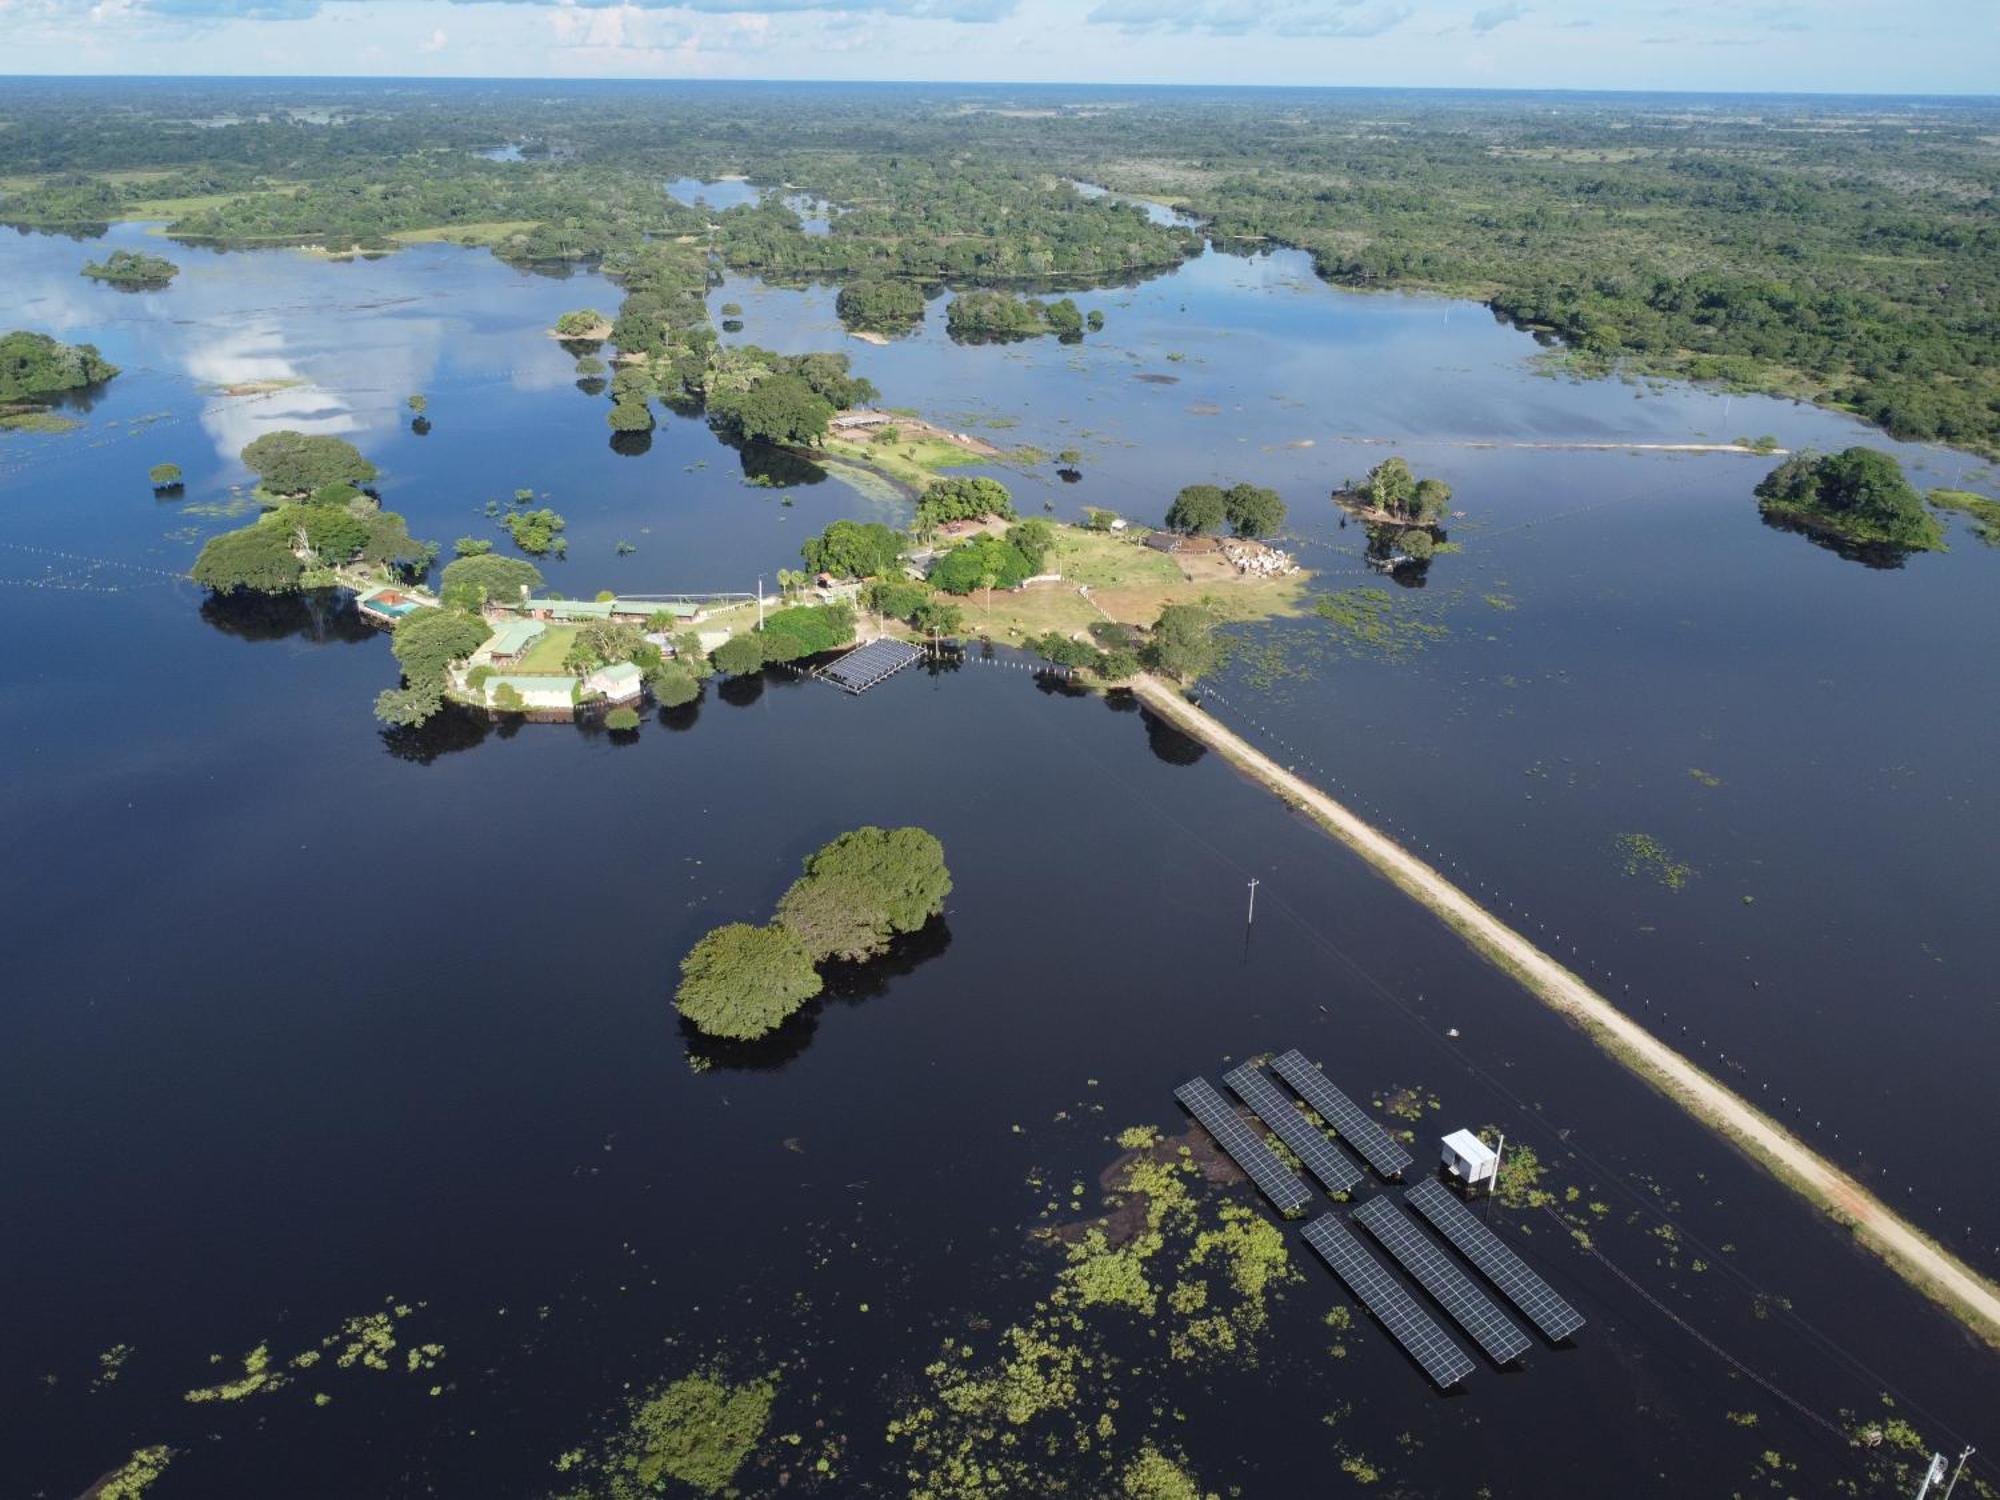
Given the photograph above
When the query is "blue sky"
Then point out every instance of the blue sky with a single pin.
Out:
(1870, 46)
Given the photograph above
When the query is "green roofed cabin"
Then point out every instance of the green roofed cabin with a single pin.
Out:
(620, 682)
(511, 641)
(538, 694)
(568, 609)
(645, 609)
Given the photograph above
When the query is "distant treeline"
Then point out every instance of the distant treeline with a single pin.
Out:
(1846, 252)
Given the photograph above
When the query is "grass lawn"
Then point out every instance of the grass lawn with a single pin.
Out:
(489, 232)
(547, 654)
(914, 461)
(1127, 581)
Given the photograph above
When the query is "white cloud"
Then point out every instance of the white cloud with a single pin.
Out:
(437, 41)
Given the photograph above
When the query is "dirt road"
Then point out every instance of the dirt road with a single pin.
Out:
(1917, 1258)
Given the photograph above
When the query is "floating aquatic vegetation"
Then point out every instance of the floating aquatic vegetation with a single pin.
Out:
(699, 1430)
(1704, 777)
(135, 1476)
(1645, 855)
(258, 1379)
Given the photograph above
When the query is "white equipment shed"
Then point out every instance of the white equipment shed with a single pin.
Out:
(1469, 1159)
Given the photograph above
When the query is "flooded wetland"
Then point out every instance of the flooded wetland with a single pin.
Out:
(353, 1143)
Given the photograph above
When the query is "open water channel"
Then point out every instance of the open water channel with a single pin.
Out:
(303, 1019)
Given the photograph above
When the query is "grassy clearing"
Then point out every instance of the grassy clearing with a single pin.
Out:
(489, 232)
(1129, 583)
(547, 654)
(911, 461)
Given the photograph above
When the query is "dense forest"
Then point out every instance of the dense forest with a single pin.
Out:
(1847, 252)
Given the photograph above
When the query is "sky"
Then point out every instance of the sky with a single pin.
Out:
(1813, 46)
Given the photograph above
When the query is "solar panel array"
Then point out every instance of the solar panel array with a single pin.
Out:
(1244, 1146)
(1321, 1157)
(867, 665)
(1535, 1297)
(1377, 1147)
(1449, 1287)
(1408, 1324)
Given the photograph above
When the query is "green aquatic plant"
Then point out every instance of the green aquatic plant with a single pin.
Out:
(258, 1379)
(1645, 855)
(135, 1476)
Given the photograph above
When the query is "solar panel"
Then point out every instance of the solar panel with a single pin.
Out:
(1498, 1264)
(1321, 1157)
(1408, 1324)
(1244, 1146)
(1450, 1287)
(1377, 1147)
(867, 665)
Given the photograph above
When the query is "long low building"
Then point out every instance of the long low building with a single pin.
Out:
(536, 692)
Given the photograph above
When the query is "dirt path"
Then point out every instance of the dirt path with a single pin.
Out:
(1913, 1255)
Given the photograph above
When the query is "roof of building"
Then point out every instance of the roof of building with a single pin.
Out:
(679, 609)
(1165, 541)
(515, 637)
(531, 685)
(617, 673)
(1469, 1146)
(571, 609)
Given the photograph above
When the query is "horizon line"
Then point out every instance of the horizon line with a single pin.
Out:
(1024, 83)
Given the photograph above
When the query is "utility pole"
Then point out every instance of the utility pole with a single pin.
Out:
(1253, 905)
(1958, 1471)
(1932, 1475)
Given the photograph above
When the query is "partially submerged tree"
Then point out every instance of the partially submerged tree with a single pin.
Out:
(257, 558)
(863, 889)
(297, 463)
(742, 982)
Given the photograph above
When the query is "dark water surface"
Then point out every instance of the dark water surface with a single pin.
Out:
(300, 1017)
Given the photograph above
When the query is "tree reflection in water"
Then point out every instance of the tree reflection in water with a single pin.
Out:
(847, 984)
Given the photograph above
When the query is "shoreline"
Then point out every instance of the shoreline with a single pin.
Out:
(1921, 1261)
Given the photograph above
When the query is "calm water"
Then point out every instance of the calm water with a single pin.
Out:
(301, 1016)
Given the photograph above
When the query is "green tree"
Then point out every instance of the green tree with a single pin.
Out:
(1198, 508)
(985, 562)
(535, 531)
(864, 888)
(1034, 539)
(674, 683)
(622, 720)
(35, 367)
(781, 409)
(1429, 502)
(165, 476)
(132, 270)
(964, 500)
(471, 546)
(1417, 545)
(581, 321)
(329, 532)
(806, 630)
(1391, 486)
(1253, 511)
(630, 416)
(740, 655)
(742, 982)
(295, 463)
(418, 404)
(897, 598)
(427, 641)
(257, 558)
(855, 549)
(599, 643)
(1183, 643)
(1859, 494)
(936, 617)
(469, 582)
(880, 305)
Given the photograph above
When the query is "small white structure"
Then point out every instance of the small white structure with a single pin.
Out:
(1470, 1160)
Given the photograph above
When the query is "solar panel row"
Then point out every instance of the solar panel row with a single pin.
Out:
(1408, 1324)
(1449, 1287)
(1381, 1151)
(1245, 1147)
(1536, 1299)
(1326, 1161)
